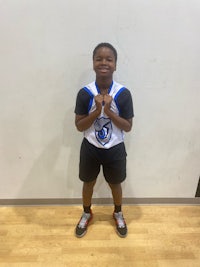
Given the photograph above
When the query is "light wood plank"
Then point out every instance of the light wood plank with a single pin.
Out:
(159, 236)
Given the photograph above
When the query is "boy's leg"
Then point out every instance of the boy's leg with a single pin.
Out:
(87, 193)
(117, 196)
(86, 217)
(117, 214)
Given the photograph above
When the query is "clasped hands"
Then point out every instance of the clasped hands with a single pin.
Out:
(103, 100)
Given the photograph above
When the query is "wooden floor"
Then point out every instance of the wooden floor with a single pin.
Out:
(44, 236)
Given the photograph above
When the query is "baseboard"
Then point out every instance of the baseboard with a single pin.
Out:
(100, 201)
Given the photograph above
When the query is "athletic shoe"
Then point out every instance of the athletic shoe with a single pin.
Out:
(120, 224)
(81, 227)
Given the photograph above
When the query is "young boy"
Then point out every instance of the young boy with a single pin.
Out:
(104, 111)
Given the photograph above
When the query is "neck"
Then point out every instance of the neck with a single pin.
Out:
(104, 84)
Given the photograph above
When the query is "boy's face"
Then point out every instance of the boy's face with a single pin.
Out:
(104, 63)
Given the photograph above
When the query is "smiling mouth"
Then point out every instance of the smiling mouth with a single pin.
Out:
(103, 69)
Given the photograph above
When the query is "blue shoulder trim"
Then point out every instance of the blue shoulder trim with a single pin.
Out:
(116, 96)
(91, 97)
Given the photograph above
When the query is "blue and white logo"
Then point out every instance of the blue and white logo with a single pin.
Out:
(103, 130)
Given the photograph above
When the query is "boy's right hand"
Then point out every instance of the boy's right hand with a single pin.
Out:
(99, 101)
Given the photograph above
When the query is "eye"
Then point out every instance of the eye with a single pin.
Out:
(110, 59)
(97, 59)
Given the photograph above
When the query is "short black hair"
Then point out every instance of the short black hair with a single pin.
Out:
(108, 46)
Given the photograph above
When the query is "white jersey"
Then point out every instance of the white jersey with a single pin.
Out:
(103, 133)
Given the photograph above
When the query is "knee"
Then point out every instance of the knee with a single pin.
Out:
(89, 185)
(115, 186)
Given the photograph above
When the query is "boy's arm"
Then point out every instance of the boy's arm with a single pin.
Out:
(121, 123)
(83, 122)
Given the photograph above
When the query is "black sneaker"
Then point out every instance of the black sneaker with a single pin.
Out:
(120, 224)
(81, 227)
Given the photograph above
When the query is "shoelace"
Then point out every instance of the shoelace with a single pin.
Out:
(85, 217)
(120, 219)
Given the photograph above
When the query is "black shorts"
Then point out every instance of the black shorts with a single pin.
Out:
(113, 161)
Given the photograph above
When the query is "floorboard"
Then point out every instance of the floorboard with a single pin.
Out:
(158, 236)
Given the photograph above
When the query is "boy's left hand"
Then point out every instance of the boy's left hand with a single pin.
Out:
(107, 103)
(107, 100)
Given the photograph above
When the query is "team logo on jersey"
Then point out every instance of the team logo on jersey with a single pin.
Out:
(103, 130)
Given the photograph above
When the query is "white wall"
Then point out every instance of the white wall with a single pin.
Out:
(45, 58)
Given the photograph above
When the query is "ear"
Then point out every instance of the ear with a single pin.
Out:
(115, 65)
